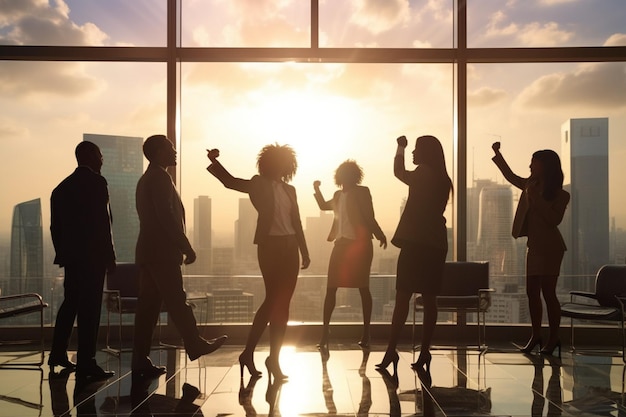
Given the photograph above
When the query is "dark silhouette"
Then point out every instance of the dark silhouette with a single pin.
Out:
(81, 233)
(279, 237)
(351, 259)
(539, 212)
(422, 238)
(59, 399)
(553, 391)
(162, 247)
(245, 395)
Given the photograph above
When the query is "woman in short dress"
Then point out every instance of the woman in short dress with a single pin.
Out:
(351, 259)
(539, 212)
(422, 238)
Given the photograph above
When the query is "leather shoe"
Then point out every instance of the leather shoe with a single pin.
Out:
(151, 371)
(204, 347)
(93, 373)
(63, 361)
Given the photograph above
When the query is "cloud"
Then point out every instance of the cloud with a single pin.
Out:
(35, 22)
(592, 85)
(485, 96)
(10, 129)
(617, 39)
(379, 16)
(24, 80)
(531, 34)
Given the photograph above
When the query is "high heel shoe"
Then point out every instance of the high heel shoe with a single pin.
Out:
(550, 351)
(388, 359)
(273, 368)
(531, 345)
(423, 361)
(248, 362)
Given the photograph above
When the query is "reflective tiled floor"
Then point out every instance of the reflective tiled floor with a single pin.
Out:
(500, 382)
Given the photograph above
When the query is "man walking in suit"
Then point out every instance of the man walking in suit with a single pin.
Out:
(81, 233)
(161, 249)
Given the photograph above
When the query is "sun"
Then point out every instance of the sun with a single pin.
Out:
(320, 127)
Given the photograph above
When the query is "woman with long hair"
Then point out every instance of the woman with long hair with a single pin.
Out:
(422, 238)
(279, 238)
(540, 210)
(353, 226)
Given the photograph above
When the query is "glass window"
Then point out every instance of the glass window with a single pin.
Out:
(246, 24)
(48, 108)
(578, 111)
(386, 24)
(84, 23)
(327, 113)
(545, 23)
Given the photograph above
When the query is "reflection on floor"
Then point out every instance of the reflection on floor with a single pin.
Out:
(500, 382)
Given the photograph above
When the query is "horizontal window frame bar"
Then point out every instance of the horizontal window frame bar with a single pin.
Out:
(315, 55)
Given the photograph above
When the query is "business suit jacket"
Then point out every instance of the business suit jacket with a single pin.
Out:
(422, 221)
(261, 195)
(80, 222)
(360, 212)
(161, 219)
(539, 220)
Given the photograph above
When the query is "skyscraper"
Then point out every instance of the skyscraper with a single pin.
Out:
(585, 150)
(245, 249)
(26, 274)
(123, 165)
(202, 241)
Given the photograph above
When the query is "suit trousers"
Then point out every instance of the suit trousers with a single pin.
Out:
(82, 301)
(162, 284)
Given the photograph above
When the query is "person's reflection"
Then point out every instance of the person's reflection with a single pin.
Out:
(366, 390)
(245, 395)
(85, 396)
(272, 396)
(58, 391)
(553, 391)
(426, 381)
(391, 383)
(146, 405)
(327, 387)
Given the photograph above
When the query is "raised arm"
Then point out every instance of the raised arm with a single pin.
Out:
(398, 161)
(508, 174)
(219, 172)
(321, 202)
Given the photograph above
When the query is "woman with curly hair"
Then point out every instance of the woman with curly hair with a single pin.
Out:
(279, 238)
(351, 259)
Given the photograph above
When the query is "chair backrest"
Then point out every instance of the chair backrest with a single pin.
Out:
(464, 278)
(610, 281)
(125, 279)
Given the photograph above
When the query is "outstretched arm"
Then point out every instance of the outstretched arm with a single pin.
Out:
(219, 172)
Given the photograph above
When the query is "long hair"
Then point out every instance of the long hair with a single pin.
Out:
(431, 153)
(552, 172)
(348, 172)
(277, 160)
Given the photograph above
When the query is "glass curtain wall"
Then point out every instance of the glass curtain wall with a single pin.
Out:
(336, 80)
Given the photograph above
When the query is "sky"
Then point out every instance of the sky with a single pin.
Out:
(327, 112)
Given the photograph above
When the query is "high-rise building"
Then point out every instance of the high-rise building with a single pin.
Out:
(26, 270)
(230, 306)
(202, 237)
(245, 249)
(317, 230)
(122, 168)
(584, 156)
(494, 241)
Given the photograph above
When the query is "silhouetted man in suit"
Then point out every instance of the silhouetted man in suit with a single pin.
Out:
(81, 233)
(162, 247)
